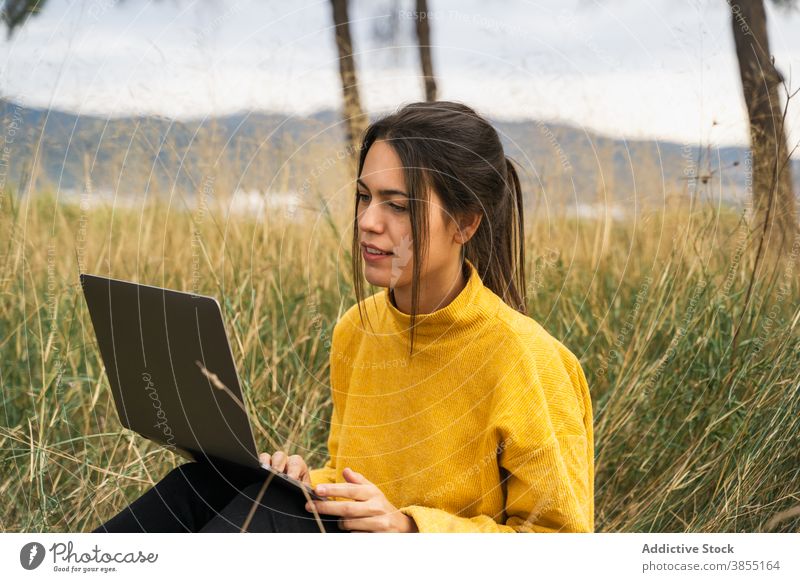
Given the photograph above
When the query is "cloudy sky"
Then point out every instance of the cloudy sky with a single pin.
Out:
(661, 69)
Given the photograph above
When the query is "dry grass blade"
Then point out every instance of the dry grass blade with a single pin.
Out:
(217, 383)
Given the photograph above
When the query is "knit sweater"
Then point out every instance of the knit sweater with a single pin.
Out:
(486, 428)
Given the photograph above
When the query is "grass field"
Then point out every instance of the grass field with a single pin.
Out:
(690, 434)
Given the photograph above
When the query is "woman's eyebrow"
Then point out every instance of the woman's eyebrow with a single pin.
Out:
(385, 192)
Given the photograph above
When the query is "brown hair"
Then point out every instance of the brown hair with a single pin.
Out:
(450, 148)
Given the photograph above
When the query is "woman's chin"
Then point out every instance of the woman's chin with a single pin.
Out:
(376, 280)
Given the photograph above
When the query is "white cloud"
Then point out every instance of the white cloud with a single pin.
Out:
(657, 69)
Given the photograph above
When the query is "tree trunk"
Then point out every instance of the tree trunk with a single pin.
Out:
(773, 195)
(424, 39)
(356, 121)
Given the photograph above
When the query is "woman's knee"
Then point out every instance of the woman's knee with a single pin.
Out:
(207, 479)
(188, 474)
(271, 491)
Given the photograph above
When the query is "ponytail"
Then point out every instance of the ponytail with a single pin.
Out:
(517, 244)
(498, 252)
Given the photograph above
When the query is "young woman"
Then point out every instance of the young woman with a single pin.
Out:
(453, 411)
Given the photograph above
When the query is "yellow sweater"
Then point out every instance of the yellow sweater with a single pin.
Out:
(487, 428)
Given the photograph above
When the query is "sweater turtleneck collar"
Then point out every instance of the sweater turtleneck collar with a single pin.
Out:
(468, 311)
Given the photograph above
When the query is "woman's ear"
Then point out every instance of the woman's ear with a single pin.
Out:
(467, 225)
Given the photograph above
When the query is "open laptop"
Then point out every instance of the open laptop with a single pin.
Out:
(172, 374)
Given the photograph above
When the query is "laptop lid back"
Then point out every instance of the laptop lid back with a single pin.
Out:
(171, 370)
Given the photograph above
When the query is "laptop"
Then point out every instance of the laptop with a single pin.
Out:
(172, 374)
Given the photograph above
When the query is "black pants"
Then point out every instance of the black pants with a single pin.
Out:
(200, 497)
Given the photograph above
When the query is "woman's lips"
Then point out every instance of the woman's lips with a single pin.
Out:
(372, 258)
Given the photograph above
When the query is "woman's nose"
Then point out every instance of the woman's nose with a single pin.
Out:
(371, 218)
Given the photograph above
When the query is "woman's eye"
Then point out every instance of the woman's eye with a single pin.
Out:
(360, 197)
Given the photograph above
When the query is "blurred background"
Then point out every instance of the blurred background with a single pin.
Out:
(208, 146)
(581, 91)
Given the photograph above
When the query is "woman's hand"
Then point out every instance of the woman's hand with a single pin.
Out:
(292, 465)
(369, 511)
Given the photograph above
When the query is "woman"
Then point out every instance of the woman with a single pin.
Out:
(453, 411)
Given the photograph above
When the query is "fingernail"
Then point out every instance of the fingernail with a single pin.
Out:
(320, 490)
(308, 506)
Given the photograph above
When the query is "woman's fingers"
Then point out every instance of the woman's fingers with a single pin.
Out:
(279, 459)
(295, 466)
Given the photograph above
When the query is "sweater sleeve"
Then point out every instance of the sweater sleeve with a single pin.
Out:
(544, 424)
(338, 381)
(545, 494)
(327, 473)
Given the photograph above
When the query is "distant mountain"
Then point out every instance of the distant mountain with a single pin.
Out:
(269, 152)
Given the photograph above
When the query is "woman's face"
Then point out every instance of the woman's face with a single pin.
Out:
(384, 222)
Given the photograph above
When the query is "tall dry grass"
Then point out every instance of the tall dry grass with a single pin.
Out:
(690, 436)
